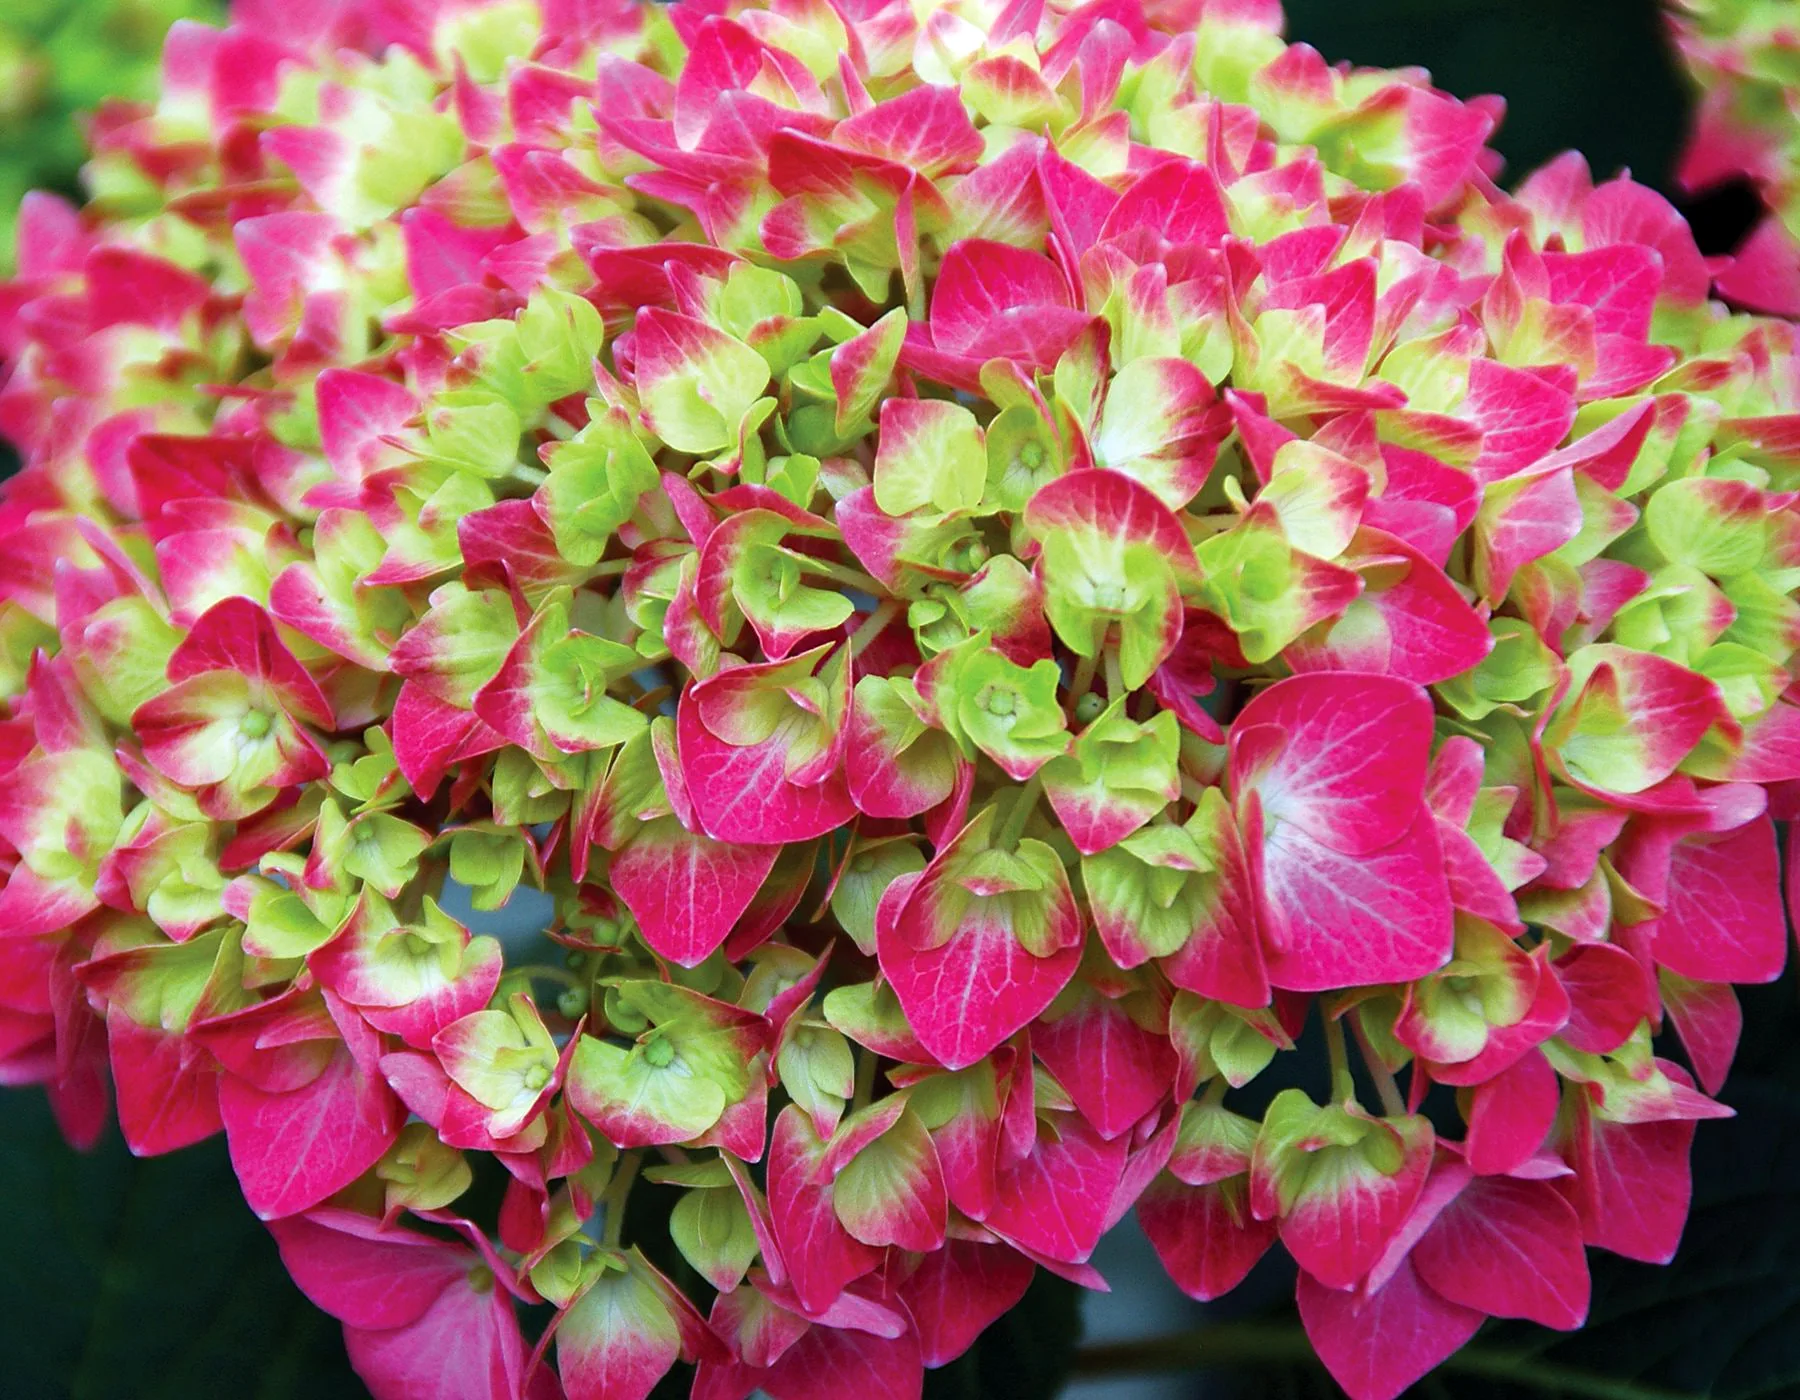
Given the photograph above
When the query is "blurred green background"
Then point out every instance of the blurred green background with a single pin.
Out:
(58, 60)
(149, 1280)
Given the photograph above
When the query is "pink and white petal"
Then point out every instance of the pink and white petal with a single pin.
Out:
(1349, 764)
(957, 1291)
(687, 890)
(1054, 1201)
(1205, 1236)
(1511, 1114)
(1114, 1069)
(1335, 920)
(820, 1255)
(292, 1150)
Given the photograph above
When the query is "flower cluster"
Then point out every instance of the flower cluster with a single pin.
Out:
(993, 562)
(1741, 55)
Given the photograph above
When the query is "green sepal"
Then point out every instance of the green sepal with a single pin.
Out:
(421, 1172)
(818, 1069)
(1518, 669)
(596, 479)
(489, 860)
(711, 1227)
(560, 333)
(473, 432)
(870, 866)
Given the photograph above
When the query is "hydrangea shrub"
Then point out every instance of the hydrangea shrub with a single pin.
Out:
(1000, 565)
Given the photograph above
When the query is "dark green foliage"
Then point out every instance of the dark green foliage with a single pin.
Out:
(130, 1279)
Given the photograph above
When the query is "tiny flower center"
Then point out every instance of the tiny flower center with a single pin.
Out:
(659, 1053)
(1088, 708)
(863, 864)
(572, 1002)
(1466, 992)
(255, 724)
(971, 556)
(1109, 597)
(999, 702)
(1031, 455)
(783, 577)
(536, 1078)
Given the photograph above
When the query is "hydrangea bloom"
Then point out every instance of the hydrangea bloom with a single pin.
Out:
(1741, 56)
(992, 560)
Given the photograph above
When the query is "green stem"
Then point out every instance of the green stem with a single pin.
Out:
(865, 1080)
(1083, 679)
(1215, 1092)
(840, 573)
(651, 700)
(617, 1192)
(1115, 676)
(873, 625)
(1253, 1343)
(609, 568)
(1392, 1103)
(1343, 1085)
(1023, 806)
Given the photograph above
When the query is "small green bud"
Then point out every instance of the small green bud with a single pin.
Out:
(572, 1002)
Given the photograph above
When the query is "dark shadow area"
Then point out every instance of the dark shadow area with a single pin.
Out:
(129, 1279)
(1722, 216)
(1594, 76)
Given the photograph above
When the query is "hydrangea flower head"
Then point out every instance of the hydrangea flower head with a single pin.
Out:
(998, 565)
